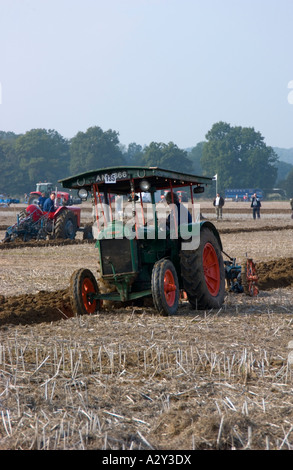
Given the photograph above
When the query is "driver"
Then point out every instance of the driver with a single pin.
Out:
(182, 215)
(48, 205)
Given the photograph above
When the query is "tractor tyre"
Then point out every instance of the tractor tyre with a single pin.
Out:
(65, 226)
(203, 272)
(82, 284)
(88, 232)
(165, 287)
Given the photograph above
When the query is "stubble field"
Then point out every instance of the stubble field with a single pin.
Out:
(128, 378)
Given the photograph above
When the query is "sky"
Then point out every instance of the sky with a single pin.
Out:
(151, 70)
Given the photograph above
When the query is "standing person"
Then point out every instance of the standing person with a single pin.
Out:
(256, 205)
(218, 204)
(41, 200)
(49, 205)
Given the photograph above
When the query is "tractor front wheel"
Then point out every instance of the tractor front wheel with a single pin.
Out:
(165, 287)
(83, 286)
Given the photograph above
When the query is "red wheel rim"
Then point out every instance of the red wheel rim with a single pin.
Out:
(88, 288)
(211, 269)
(169, 288)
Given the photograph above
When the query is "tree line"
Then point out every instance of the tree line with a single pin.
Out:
(237, 155)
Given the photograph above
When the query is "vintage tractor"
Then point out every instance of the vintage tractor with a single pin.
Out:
(140, 255)
(33, 223)
(48, 188)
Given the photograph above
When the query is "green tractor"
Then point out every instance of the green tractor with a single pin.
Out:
(142, 252)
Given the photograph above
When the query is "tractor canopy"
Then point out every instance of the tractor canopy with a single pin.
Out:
(136, 184)
(125, 179)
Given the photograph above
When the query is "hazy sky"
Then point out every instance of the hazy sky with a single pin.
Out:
(152, 70)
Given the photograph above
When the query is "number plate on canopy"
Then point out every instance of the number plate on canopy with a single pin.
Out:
(110, 178)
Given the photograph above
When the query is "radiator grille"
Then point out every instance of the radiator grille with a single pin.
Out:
(116, 253)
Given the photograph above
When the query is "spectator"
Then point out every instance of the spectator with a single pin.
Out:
(256, 205)
(49, 205)
(218, 204)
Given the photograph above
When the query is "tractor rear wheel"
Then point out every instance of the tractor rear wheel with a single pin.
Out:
(165, 287)
(203, 272)
(82, 285)
(65, 226)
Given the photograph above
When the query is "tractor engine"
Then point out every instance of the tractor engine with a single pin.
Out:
(34, 211)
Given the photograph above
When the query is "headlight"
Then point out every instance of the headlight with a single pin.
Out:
(83, 194)
(144, 185)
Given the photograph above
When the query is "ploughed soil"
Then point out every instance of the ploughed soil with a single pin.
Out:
(127, 378)
(45, 306)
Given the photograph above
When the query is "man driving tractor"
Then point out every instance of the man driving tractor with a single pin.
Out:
(49, 204)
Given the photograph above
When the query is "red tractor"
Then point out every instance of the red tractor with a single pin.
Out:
(48, 188)
(33, 223)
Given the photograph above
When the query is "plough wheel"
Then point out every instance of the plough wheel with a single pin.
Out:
(249, 278)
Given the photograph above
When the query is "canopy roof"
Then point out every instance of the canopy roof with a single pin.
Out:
(117, 179)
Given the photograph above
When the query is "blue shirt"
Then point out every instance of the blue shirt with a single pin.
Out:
(41, 201)
(48, 205)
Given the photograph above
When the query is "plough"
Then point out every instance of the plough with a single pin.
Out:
(241, 278)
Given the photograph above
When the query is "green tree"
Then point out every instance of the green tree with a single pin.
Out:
(9, 174)
(94, 149)
(284, 169)
(239, 157)
(195, 155)
(8, 136)
(134, 154)
(167, 156)
(287, 184)
(42, 155)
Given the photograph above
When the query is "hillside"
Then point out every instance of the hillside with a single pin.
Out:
(285, 155)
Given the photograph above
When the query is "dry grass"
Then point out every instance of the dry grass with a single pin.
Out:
(133, 380)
